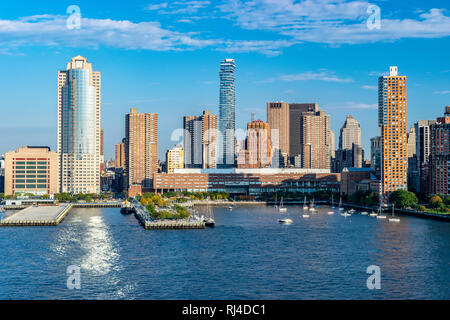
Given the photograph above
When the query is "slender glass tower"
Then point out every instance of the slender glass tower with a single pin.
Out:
(79, 127)
(227, 112)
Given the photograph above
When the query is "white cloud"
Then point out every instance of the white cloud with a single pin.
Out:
(361, 106)
(267, 47)
(369, 87)
(49, 30)
(331, 21)
(322, 75)
(442, 92)
(179, 7)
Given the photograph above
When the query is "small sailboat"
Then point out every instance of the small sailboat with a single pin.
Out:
(345, 214)
(282, 208)
(276, 201)
(372, 214)
(332, 202)
(364, 213)
(305, 216)
(305, 207)
(393, 219)
(351, 211)
(380, 213)
(330, 212)
(311, 206)
(340, 205)
(209, 219)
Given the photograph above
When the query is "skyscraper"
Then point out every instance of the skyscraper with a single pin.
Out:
(392, 117)
(315, 140)
(227, 112)
(350, 149)
(439, 158)
(278, 120)
(200, 141)
(79, 138)
(141, 148)
(295, 134)
(423, 148)
(350, 133)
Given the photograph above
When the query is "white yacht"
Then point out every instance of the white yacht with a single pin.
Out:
(285, 221)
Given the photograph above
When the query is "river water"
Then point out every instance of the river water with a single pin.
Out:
(247, 256)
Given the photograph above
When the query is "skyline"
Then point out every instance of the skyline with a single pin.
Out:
(314, 71)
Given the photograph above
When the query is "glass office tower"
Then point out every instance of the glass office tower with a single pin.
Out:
(79, 127)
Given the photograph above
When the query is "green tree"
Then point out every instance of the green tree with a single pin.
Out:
(403, 199)
(436, 201)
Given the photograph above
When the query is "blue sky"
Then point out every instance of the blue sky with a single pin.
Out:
(163, 57)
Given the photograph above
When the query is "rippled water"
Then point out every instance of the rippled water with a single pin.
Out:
(247, 256)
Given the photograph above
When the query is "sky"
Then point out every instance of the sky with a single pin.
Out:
(164, 56)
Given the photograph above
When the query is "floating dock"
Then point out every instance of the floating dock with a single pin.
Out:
(38, 216)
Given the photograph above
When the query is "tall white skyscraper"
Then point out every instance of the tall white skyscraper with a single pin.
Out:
(350, 134)
(79, 90)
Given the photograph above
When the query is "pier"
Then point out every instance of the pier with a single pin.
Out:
(38, 216)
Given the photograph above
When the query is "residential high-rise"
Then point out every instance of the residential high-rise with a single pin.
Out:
(120, 154)
(413, 173)
(278, 120)
(174, 159)
(392, 119)
(31, 170)
(439, 157)
(422, 129)
(79, 146)
(227, 112)
(257, 152)
(295, 134)
(141, 148)
(209, 140)
(200, 141)
(315, 140)
(332, 144)
(375, 154)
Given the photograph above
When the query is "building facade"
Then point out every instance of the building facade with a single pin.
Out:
(439, 157)
(257, 152)
(141, 148)
(315, 140)
(295, 133)
(227, 123)
(422, 129)
(375, 154)
(175, 159)
(278, 120)
(392, 119)
(31, 170)
(119, 153)
(248, 181)
(200, 139)
(79, 134)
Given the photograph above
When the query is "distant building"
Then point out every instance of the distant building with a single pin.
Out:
(392, 119)
(295, 121)
(119, 153)
(141, 149)
(423, 148)
(227, 103)
(315, 140)
(359, 179)
(79, 134)
(413, 172)
(175, 159)
(31, 170)
(278, 120)
(439, 158)
(200, 141)
(257, 152)
(375, 154)
(350, 139)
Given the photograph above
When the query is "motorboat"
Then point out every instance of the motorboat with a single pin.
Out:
(305, 216)
(345, 214)
(126, 207)
(285, 221)
(364, 213)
